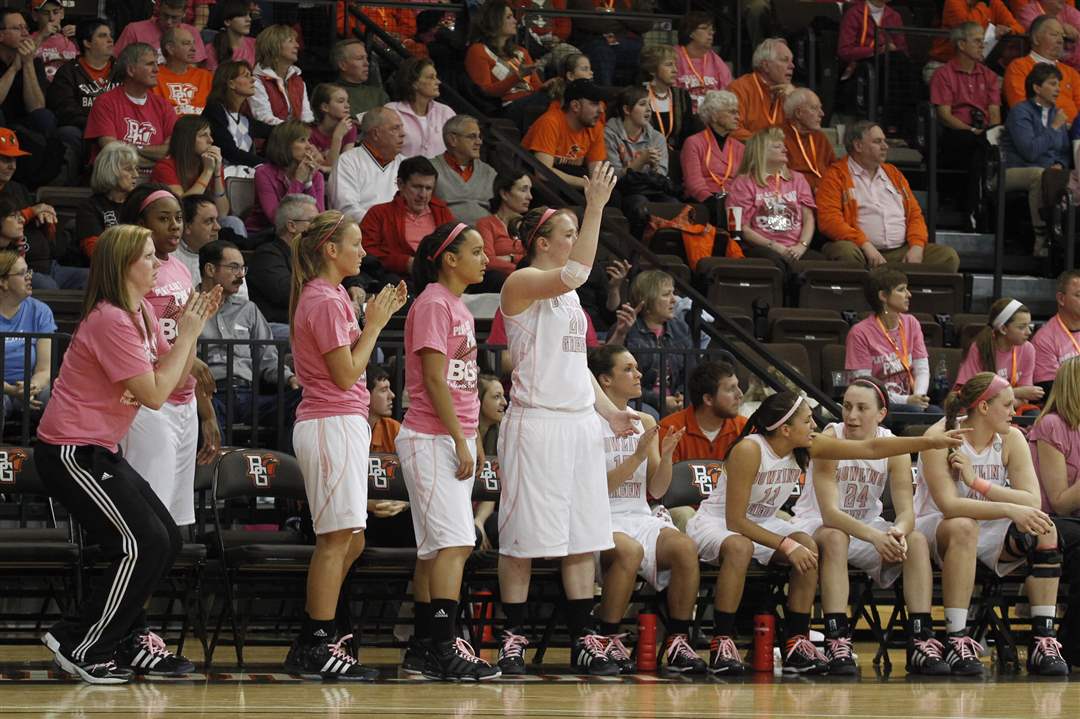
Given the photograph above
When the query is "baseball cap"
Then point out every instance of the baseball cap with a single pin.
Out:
(38, 4)
(583, 89)
(9, 144)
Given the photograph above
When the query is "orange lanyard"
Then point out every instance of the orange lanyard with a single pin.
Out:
(690, 64)
(670, 111)
(1015, 377)
(728, 160)
(813, 151)
(776, 103)
(865, 22)
(1068, 334)
(779, 178)
(902, 350)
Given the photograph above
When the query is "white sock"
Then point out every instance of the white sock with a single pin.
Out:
(955, 620)
(1048, 610)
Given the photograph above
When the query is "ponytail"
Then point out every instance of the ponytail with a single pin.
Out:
(960, 400)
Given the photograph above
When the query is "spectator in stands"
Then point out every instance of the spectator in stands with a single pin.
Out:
(350, 57)
(762, 91)
(465, 181)
(610, 42)
(1064, 13)
(78, 83)
(384, 428)
(492, 410)
(777, 204)
(233, 41)
(365, 175)
(170, 14)
(1037, 140)
(699, 68)
(238, 318)
(232, 126)
(201, 227)
(42, 214)
(1059, 338)
(53, 37)
(131, 112)
(280, 92)
(22, 80)
(673, 112)
(417, 86)
(867, 210)
(19, 312)
(271, 265)
(510, 199)
(193, 165)
(1002, 347)
(185, 85)
(1047, 45)
(292, 166)
(712, 421)
(710, 158)
(958, 12)
(334, 130)
(570, 139)
(888, 344)
(809, 150)
(636, 151)
(116, 172)
(546, 36)
(575, 66)
(494, 62)
(37, 248)
(393, 230)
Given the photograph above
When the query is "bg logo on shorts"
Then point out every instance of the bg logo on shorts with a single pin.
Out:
(11, 463)
(705, 477)
(381, 469)
(262, 468)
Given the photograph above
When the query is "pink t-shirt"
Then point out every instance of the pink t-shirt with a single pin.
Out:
(773, 211)
(1025, 365)
(54, 52)
(148, 31)
(417, 227)
(170, 294)
(1053, 345)
(322, 142)
(115, 115)
(868, 348)
(90, 404)
(324, 321)
(700, 75)
(439, 320)
(246, 52)
(1053, 430)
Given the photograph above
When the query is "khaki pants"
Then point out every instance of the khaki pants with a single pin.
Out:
(1030, 179)
(932, 254)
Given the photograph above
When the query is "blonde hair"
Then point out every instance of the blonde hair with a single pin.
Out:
(116, 250)
(8, 258)
(1065, 394)
(647, 287)
(960, 400)
(753, 161)
(307, 257)
(268, 43)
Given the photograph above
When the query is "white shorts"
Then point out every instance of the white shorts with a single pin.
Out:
(442, 513)
(709, 531)
(333, 454)
(161, 446)
(645, 530)
(554, 484)
(861, 555)
(991, 542)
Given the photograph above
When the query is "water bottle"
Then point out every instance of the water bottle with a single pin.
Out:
(646, 643)
(764, 638)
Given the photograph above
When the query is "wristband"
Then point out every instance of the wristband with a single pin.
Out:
(982, 486)
(788, 546)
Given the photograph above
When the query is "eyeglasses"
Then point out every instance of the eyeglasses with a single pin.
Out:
(235, 268)
(24, 273)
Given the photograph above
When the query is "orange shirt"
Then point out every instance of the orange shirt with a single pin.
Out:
(1017, 71)
(384, 435)
(551, 135)
(187, 93)
(810, 154)
(694, 444)
(758, 109)
(957, 12)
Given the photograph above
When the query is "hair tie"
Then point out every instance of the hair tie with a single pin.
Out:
(1006, 314)
(996, 386)
(787, 415)
(543, 218)
(863, 382)
(330, 233)
(461, 226)
(154, 197)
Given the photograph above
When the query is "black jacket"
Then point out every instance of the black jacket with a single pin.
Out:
(72, 93)
(270, 279)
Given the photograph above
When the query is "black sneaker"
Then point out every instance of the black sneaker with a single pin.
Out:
(416, 655)
(456, 661)
(802, 657)
(838, 654)
(618, 653)
(589, 652)
(145, 653)
(724, 657)
(1044, 657)
(925, 655)
(962, 655)
(512, 653)
(327, 661)
(101, 673)
(678, 657)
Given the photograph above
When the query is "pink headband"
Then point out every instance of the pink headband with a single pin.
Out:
(330, 233)
(863, 382)
(787, 415)
(461, 226)
(154, 197)
(996, 385)
(543, 218)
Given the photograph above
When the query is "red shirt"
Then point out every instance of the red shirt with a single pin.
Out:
(964, 91)
(145, 125)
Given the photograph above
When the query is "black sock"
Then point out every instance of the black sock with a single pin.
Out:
(797, 623)
(443, 616)
(678, 626)
(422, 615)
(609, 628)
(723, 624)
(515, 615)
(920, 625)
(317, 631)
(578, 617)
(836, 625)
(1042, 626)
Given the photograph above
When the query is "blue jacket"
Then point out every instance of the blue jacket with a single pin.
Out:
(1030, 143)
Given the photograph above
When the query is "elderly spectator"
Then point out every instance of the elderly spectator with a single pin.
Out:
(1036, 139)
(958, 12)
(232, 126)
(77, 84)
(867, 210)
(271, 266)
(762, 91)
(185, 85)
(864, 36)
(19, 312)
(673, 112)
(280, 92)
(809, 150)
(233, 41)
(366, 175)
(53, 37)
(699, 68)
(334, 130)
(710, 158)
(494, 62)
(570, 139)
(511, 197)
(1064, 13)
(610, 42)
(116, 172)
(350, 57)
(1059, 339)
(170, 14)
(292, 166)
(1048, 46)
(417, 85)
(465, 181)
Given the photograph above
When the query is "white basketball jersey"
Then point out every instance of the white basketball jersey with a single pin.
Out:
(547, 348)
(987, 464)
(630, 497)
(860, 483)
(776, 479)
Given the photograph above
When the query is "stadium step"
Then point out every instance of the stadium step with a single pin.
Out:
(976, 252)
(1038, 293)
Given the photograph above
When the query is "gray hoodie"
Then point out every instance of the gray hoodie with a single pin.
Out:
(620, 149)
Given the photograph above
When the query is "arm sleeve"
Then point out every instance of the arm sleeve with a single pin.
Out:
(542, 137)
(273, 276)
(830, 211)
(693, 178)
(61, 97)
(917, 234)
(921, 369)
(1029, 138)
(612, 143)
(970, 366)
(346, 185)
(1014, 83)
(305, 108)
(1027, 365)
(847, 46)
(88, 226)
(1000, 15)
(478, 68)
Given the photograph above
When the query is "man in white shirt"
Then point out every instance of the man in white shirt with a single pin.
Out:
(366, 175)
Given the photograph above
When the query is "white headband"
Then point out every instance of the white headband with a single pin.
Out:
(787, 415)
(1006, 314)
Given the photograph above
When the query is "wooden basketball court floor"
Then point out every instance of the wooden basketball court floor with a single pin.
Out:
(29, 689)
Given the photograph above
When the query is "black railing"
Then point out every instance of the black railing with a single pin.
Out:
(27, 416)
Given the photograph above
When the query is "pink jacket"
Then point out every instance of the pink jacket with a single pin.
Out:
(423, 137)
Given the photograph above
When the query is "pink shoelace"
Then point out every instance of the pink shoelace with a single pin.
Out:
(466, 652)
(679, 647)
(839, 648)
(1048, 646)
(338, 650)
(513, 644)
(154, 644)
(595, 644)
(930, 647)
(966, 647)
(804, 646)
(616, 649)
(726, 648)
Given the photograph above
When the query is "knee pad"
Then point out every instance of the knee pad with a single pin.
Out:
(1044, 563)
(1018, 543)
